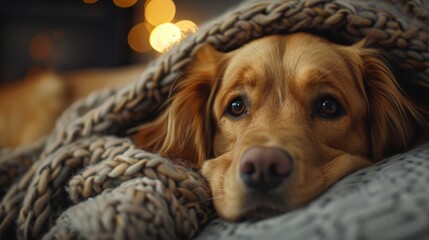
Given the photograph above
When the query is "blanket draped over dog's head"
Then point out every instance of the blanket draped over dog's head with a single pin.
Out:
(88, 179)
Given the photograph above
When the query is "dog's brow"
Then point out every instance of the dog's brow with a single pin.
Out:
(243, 78)
(319, 73)
(319, 79)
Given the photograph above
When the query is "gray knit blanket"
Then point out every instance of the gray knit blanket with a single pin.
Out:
(87, 180)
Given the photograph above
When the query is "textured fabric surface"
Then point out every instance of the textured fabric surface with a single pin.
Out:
(389, 200)
(88, 180)
(110, 190)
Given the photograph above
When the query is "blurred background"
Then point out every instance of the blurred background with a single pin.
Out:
(68, 35)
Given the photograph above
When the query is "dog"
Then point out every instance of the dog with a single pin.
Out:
(276, 122)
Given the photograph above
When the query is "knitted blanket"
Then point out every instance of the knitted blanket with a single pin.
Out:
(88, 180)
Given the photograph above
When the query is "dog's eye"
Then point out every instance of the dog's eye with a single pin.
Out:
(236, 107)
(328, 107)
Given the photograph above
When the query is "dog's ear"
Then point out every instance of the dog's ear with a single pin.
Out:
(184, 130)
(395, 123)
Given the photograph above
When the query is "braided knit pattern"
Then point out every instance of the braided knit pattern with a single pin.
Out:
(89, 155)
(100, 164)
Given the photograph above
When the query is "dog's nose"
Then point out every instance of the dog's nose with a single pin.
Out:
(264, 168)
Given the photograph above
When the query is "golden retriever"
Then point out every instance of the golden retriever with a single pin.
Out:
(278, 121)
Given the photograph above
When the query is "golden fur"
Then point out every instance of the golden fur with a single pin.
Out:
(282, 79)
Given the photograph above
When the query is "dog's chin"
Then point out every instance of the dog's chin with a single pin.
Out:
(259, 206)
(260, 213)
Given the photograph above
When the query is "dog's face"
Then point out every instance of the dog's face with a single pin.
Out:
(278, 121)
(287, 111)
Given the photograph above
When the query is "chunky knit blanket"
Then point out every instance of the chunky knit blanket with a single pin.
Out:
(88, 180)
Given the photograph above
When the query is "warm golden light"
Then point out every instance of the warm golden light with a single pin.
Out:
(159, 11)
(124, 3)
(138, 38)
(40, 46)
(164, 36)
(149, 27)
(187, 27)
(90, 1)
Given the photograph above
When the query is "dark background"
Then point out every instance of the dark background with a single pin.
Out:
(82, 35)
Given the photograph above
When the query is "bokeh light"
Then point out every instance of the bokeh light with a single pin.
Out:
(160, 11)
(124, 3)
(164, 36)
(40, 46)
(138, 38)
(90, 1)
(149, 27)
(187, 27)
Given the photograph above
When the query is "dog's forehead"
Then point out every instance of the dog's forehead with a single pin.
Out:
(282, 60)
(255, 63)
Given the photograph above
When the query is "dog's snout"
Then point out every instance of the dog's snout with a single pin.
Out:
(264, 168)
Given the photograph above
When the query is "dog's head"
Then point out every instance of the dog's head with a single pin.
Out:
(281, 119)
